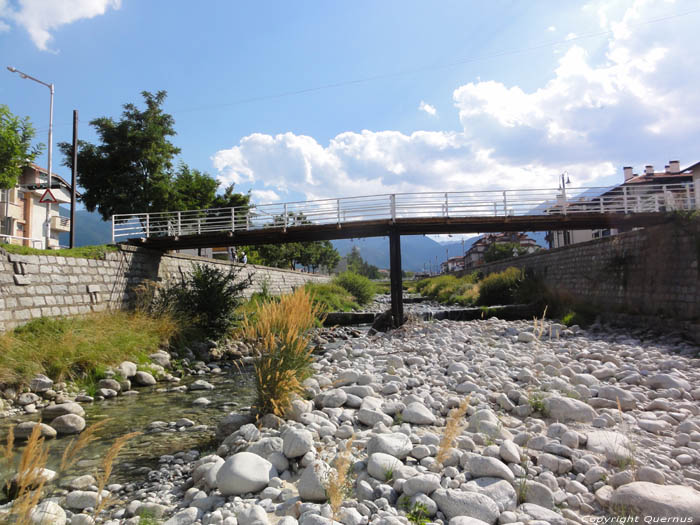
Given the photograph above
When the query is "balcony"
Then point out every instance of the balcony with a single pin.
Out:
(60, 224)
(13, 210)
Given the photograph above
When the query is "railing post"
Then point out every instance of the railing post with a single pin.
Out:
(247, 220)
(447, 205)
(602, 206)
(656, 202)
(505, 204)
(624, 197)
(112, 230)
(495, 209)
(148, 225)
(233, 219)
(338, 205)
(285, 216)
(392, 199)
(638, 206)
(696, 189)
(687, 197)
(179, 223)
(199, 225)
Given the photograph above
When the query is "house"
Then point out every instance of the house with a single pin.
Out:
(475, 256)
(452, 264)
(671, 189)
(23, 219)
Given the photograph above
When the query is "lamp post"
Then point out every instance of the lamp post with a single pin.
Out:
(47, 227)
(564, 180)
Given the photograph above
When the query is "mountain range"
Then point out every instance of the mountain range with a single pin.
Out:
(418, 252)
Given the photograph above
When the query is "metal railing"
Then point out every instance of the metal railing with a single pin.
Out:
(35, 243)
(490, 203)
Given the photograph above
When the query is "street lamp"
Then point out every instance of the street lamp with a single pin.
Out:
(563, 181)
(47, 228)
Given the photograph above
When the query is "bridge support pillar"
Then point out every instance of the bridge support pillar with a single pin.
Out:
(395, 276)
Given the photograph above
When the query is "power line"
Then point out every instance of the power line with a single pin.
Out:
(420, 69)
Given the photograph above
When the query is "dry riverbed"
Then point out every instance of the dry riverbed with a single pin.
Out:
(562, 426)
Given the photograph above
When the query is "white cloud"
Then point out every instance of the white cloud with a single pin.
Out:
(430, 110)
(40, 17)
(264, 196)
(633, 102)
(551, 28)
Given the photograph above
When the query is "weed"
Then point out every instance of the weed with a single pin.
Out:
(388, 474)
(279, 330)
(339, 484)
(75, 348)
(330, 297)
(417, 513)
(500, 288)
(453, 427)
(82, 252)
(361, 288)
(522, 490)
(146, 517)
(398, 418)
(107, 464)
(536, 402)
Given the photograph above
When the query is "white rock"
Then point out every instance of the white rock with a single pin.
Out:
(482, 466)
(252, 515)
(40, 383)
(395, 444)
(296, 442)
(417, 414)
(82, 499)
(47, 513)
(313, 481)
(25, 429)
(127, 369)
(54, 411)
(68, 424)
(613, 445)
(454, 503)
(424, 483)
(382, 466)
(568, 409)
(244, 472)
(655, 500)
(509, 451)
(184, 517)
(144, 379)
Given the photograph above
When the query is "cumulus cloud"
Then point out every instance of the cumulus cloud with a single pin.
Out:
(430, 110)
(40, 17)
(264, 196)
(598, 110)
(551, 28)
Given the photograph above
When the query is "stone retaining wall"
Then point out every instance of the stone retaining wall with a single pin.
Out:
(653, 271)
(34, 286)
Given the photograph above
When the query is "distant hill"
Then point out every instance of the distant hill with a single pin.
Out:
(90, 229)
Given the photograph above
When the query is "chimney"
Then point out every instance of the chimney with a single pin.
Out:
(649, 169)
(667, 169)
(627, 170)
(674, 166)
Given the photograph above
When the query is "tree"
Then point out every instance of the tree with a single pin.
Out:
(503, 250)
(357, 264)
(130, 171)
(16, 150)
(192, 190)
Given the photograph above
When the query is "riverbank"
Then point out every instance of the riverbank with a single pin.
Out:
(561, 426)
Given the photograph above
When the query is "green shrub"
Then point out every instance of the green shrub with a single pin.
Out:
(206, 298)
(330, 297)
(500, 288)
(361, 288)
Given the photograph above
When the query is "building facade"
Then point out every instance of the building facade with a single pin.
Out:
(24, 219)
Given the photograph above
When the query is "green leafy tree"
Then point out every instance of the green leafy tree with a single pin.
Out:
(358, 265)
(503, 250)
(16, 150)
(192, 189)
(130, 170)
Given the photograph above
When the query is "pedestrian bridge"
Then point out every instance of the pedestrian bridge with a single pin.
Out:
(393, 215)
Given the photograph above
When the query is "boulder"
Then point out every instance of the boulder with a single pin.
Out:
(244, 472)
(659, 501)
(483, 466)
(418, 414)
(25, 429)
(568, 409)
(127, 369)
(47, 513)
(422, 483)
(68, 424)
(40, 383)
(454, 503)
(252, 515)
(395, 444)
(296, 442)
(82, 499)
(382, 466)
(144, 379)
(231, 423)
(313, 481)
(613, 445)
(53, 411)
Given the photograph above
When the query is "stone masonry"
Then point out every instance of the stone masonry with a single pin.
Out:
(34, 286)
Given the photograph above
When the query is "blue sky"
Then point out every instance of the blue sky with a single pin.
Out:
(442, 96)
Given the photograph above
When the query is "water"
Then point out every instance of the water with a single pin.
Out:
(233, 390)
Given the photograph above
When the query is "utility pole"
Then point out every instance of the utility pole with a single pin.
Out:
(74, 173)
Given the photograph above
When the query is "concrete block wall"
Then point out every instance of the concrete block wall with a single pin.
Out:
(34, 286)
(653, 271)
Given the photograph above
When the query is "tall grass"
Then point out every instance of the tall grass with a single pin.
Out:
(72, 348)
(280, 331)
(339, 485)
(330, 297)
(29, 481)
(501, 287)
(449, 289)
(82, 252)
(453, 428)
(361, 288)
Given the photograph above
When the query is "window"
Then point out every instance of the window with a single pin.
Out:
(4, 195)
(20, 229)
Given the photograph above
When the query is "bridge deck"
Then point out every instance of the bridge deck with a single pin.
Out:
(410, 226)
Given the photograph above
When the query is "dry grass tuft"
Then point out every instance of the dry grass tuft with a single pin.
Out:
(339, 483)
(279, 330)
(107, 464)
(72, 451)
(453, 428)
